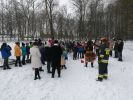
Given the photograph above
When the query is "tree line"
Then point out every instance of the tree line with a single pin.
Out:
(46, 19)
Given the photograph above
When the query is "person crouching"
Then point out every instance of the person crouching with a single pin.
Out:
(36, 60)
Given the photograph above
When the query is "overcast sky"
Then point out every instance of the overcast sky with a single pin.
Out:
(68, 4)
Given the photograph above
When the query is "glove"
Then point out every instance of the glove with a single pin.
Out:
(99, 59)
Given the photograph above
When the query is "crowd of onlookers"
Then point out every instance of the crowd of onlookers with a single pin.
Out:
(54, 53)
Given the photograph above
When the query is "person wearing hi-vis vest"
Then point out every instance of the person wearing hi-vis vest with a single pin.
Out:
(103, 58)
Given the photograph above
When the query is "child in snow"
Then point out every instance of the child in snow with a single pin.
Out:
(24, 53)
(64, 57)
(28, 53)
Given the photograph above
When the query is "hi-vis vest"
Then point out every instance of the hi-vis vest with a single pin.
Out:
(104, 53)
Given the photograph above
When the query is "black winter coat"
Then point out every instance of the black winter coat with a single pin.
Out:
(48, 54)
(116, 46)
(120, 47)
(56, 56)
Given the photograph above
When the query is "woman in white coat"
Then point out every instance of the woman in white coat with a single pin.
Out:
(36, 60)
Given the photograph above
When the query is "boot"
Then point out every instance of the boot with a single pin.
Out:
(35, 78)
(4, 68)
(52, 76)
(99, 79)
(8, 68)
(86, 65)
(92, 65)
(40, 69)
(58, 76)
(105, 77)
(39, 77)
(65, 67)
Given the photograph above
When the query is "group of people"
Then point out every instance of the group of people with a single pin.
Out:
(101, 48)
(55, 53)
(37, 53)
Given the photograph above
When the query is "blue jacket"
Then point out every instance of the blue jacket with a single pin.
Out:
(65, 54)
(24, 51)
(80, 49)
(6, 52)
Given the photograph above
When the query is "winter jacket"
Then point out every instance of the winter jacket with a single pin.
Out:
(75, 49)
(48, 53)
(120, 47)
(80, 49)
(17, 51)
(24, 52)
(6, 52)
(28, 49)
(65, 54)
(104, 53)
(42, 51)
(56, 55)
(35, 57)
(116, 46)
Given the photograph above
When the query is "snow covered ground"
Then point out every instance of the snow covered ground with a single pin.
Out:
(76, 83)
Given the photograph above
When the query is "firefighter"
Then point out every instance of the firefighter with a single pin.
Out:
(103, 58)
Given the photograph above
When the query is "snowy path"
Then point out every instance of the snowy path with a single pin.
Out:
(76, 83)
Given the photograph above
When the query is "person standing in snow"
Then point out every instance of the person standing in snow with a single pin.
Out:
(24, 53)
(64, 58)
(116, 49)
(48, 56)
(89, 55)
(80, 51)
(103, 60)
(75, 50)
(28, 53)
(120, 49)
(36, 60)
(6, 53)
(56, 58)
(18, 54)
(42, 51)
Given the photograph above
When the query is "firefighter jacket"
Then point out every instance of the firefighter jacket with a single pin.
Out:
(104, 52)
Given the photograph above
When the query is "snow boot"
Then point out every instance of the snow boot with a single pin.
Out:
(35, 78)
(105, 77)
(40, 69)
(4, 68)
(99, 79)
(8, 68)
(52, 76)
(92, 65)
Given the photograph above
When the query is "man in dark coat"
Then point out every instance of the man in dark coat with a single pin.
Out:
(116, 49)
(56, 58)
(48, 55)
(75, 50)
(120, 49)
